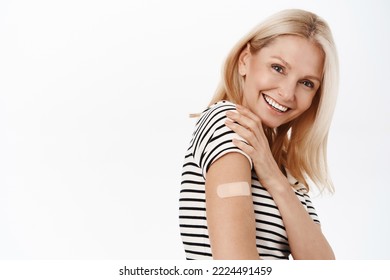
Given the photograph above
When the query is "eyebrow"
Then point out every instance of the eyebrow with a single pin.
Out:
(289, 67)
(282, 60)
(313, 78)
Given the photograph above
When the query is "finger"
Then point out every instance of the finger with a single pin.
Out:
(242, 131)
(246, 121)
(240, 118)
(248, 113)
(248, 149)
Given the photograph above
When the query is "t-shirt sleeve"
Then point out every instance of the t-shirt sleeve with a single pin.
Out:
(213, 139)
(303, 196)
(311, 210)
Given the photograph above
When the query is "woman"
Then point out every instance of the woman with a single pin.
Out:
(260, 144)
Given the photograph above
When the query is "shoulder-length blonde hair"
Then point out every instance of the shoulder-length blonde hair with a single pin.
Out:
(300, 145)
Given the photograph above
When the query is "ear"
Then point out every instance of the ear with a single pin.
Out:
(243, 61)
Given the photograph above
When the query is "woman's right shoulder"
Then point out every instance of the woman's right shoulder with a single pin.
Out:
(212, 139)
(218, 110)
(222, 103)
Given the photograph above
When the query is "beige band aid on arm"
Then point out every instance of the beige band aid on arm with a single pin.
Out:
(233, 189)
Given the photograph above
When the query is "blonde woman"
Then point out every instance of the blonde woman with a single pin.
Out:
(261, 144)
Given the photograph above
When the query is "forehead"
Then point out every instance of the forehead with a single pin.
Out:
(299, 53)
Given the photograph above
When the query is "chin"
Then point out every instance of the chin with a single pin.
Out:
(266, 122)
(270, 124)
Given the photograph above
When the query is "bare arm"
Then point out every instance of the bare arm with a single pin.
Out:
(230, 220)
(305, 236)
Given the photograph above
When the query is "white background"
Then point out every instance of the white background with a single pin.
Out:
(94, 104)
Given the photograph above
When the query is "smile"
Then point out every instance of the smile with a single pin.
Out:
(275, 105)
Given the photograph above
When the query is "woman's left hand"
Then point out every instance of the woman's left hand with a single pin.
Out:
(249, 126)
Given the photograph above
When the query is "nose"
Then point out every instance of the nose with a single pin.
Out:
(286, 90)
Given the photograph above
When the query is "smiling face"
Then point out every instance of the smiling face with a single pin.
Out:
(281, 79)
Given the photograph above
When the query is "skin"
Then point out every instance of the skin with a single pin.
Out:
(291, 77)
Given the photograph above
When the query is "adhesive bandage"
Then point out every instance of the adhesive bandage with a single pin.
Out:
(233, 189)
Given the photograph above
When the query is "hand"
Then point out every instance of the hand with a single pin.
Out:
(296, 219)
(249, 126)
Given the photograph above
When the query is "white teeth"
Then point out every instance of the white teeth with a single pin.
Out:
(274, 104)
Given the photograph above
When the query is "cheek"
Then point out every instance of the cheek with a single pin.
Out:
(305, 101)
(259, 78)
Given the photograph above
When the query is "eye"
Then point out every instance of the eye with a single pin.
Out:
(278, 68)
(308, 84)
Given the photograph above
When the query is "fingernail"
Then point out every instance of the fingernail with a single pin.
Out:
(228, 122)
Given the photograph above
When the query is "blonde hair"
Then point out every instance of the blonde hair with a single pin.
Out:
(300, 145)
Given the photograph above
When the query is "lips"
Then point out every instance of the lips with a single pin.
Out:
(275, 105)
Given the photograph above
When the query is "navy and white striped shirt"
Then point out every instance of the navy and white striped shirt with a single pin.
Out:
(211, 140)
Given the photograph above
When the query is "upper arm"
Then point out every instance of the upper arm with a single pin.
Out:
(230, 220)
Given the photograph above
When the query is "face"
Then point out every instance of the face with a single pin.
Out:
(281, 80)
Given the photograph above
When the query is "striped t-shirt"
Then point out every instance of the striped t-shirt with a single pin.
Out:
(211, 140)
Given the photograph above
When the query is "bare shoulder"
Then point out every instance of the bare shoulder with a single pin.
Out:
(229, 168)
